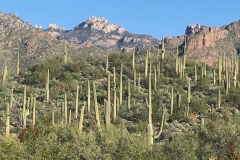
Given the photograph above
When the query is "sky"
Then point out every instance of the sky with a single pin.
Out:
(157, 18)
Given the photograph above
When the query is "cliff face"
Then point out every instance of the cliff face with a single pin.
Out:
(208, 37)
(205, 44)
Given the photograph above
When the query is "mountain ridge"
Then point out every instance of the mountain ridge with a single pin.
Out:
(205, 44)
(98, 32)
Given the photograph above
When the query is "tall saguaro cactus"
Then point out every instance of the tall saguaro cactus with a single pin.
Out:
(24, 101)
(120, 86)
(219, 70)
(219, 99)
(96, 105)
(8, 120)
(171, 105)
(133, 58)
(47, 86)
(114, 104)
(107, 64)
(81, 118)
(164, 114)
(34, 111)
(89, 97)
(129, 95)
(195, 74)
(146, 64)
(108, 107)
(65, 107)
(134, 79)
(189, 92)
(155, 78)
(163, 48)
(76, 103)
(11, 97)
(150, 128)
(139, 81)
(114, 76)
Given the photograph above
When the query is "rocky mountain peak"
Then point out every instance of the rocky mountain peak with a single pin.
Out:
(12, 21)
(53, 26)
(100, 24)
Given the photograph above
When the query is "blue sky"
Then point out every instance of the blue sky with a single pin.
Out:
(153, 17)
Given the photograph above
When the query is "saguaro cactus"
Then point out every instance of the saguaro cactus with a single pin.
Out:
(114, 104)
(150, 128)
(129, 95)
(155, 78)
(11, 97)
(89, 97)
(34, 111)
(146, 65)
(108, 97)
(133, 58)
(159, 70)
(171, 105)
(189, 92)
(76, 103)
(24, 101)
(219, 70)
(96, 105)
(178, 99)
(139, 81)
(106, 112)
(120, 86)
(195, 74)
(162, 123)
(65, 107)
(81, 118)
(134, 79)
(114, 77)
(107, 64)
(163, 48)
(47, 86)
(219, 99)
(70, 117)
(8, 120)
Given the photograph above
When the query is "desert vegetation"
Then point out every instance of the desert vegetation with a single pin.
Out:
(121, 106)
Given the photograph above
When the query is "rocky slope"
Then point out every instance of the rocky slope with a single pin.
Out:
(33, 44)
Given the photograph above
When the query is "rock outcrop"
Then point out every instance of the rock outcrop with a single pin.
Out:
(100, 24)
(207, 36)
(12, 21)
(99, 32)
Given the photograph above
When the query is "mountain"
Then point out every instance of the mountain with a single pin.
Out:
(8, 21)
(97, 35)
(204, 43)
(32, 43)
(100, 33)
